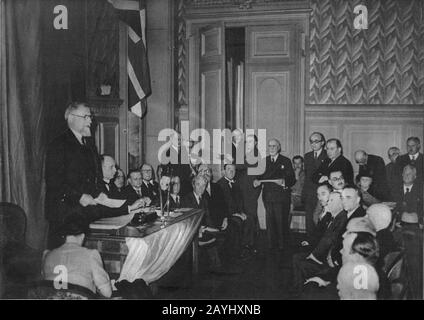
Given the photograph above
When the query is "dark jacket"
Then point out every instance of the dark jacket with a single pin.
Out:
(281, 169)
(340, 164)
(376, 168)
(411, 202)
(151, 191)
(404, 160)
(233, 196)
(130, 194)
(216, 205)
(311, 165)
(189, 201)
(71, 171)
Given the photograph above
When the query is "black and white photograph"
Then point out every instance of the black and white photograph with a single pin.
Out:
(211, 155)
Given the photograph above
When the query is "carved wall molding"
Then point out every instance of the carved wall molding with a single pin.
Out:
(381, 65)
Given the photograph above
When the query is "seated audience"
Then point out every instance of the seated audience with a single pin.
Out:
(336, 180)
(296, 190)
(409, 194)
(149, 187)
(392, 170)
(174, 196)
(84, 267)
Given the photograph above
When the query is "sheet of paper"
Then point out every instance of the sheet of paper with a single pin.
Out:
(112, 223)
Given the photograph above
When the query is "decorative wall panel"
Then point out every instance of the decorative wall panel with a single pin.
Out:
(102, 48)
(381, 65)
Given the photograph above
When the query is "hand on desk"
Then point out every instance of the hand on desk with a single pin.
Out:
(87, 200)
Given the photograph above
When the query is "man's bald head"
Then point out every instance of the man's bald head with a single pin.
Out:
(380, 216)
(357, 281)
(361, 157)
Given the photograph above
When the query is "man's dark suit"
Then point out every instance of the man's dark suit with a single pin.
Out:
(393, 178)
(411, 201)
(404, 160)
(339, 164)
(277, 199)
(216, 205)
(236, 229)
(189, 201)
(151, 191)
(376, 168)
(72, 169)
(130, 194)
(309, 192)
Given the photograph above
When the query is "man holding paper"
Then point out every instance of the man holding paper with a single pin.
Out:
(74, 179)
(277, 180)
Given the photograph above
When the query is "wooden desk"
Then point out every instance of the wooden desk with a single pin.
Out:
(112, 243)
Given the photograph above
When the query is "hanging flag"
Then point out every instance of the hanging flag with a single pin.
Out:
(133, 14)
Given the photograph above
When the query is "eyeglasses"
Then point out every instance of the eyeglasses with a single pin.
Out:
(86, 117)
(147, 170)
(314, 141)
(337, 179)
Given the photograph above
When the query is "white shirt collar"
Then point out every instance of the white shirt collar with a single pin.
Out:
(407, 187)
(77, 135)
(414, 156)
(232, 181)
(318, 152)
(351, 212)
(275, 157)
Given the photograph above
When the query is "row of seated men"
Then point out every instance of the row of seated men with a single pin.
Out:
(401, 178)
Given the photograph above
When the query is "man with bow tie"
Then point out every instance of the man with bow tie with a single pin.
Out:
(276, 193)
(413, 157)
(149, 187)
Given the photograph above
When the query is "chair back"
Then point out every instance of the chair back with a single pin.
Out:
(396, 271)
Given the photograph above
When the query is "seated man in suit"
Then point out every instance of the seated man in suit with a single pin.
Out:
(175, 197)
(373, 166)
(323, 216)
(234, 223)
(335, 161)
(409, 195)
(132, 191)
(149, 187)
(336, 180)
(314, 262)
(414, 157)
(392, 171)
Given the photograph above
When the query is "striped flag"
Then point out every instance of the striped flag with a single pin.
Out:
(133, 14)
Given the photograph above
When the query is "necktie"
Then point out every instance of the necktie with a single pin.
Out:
(315, 155)
(230, 183)
(407, 191)
(138, 192)
(272, 160)
(177, 200)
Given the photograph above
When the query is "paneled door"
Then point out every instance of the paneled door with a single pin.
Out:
(273, 83)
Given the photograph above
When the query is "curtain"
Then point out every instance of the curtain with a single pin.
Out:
(22, 113)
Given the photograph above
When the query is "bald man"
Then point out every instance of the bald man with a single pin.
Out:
(374, 165)
(357, 281)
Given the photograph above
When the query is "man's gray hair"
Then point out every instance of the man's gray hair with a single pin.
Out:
(199, 178)
(73, 106)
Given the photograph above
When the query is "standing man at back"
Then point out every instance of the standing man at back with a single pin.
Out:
(413, 157)
(313, 160)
